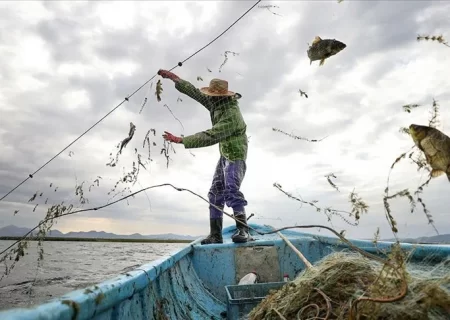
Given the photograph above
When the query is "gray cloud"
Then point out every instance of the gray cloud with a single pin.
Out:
(106, 64)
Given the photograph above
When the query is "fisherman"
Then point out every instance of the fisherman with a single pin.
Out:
(229, 131)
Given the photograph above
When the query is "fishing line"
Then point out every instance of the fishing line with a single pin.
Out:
(367, 254)
(126, 100)
(144, 101)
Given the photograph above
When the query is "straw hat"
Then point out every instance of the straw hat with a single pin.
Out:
(217, 88)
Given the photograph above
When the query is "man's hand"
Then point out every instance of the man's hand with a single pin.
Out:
(168, 75)
(170, 137)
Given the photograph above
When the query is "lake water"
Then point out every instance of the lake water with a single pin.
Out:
(69, 266)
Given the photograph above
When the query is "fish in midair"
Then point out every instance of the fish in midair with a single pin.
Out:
(125, 141)
(323, 49)
(436, 147)
(159, 90)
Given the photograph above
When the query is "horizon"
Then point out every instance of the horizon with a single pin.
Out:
(197, 236)
(103, 231)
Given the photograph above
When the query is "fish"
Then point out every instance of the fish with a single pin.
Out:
(159, 90)
(436, 147)
(125, 141)
(323, 49)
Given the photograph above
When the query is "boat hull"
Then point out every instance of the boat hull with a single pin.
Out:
(190, 284)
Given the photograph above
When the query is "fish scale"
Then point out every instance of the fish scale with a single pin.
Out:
(323, 49)
(436, 147)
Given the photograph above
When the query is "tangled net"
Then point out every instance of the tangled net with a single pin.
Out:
(329, 290)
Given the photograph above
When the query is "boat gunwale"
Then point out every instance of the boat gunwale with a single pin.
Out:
(124, 286)
(336, 241)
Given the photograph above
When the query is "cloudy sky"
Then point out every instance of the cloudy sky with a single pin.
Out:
(64, 65)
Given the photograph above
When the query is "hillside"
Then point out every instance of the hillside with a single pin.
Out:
(439, 239)
(14, 231)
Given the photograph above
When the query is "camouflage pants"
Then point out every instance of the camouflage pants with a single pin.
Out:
(225, 186)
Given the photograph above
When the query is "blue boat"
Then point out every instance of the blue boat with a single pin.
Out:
(200, 282)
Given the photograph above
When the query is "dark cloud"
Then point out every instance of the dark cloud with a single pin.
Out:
(107, 64)
(63, 36)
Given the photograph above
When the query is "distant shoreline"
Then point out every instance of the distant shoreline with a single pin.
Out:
(102, 240)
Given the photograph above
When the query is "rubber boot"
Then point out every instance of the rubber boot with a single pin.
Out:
(215, 234)
(241, 235)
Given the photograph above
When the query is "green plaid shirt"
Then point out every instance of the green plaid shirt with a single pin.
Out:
(229, 128)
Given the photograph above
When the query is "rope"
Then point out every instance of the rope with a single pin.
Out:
(30, 176)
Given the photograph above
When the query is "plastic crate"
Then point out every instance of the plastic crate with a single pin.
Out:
(243, 298)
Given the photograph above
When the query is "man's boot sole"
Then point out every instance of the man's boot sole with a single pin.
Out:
(203, 243)
(240, 240)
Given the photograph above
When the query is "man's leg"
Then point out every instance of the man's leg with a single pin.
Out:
(234, 175)
(216, 196)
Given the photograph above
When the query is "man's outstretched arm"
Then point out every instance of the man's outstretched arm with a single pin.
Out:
(225, 128)
(186, 88)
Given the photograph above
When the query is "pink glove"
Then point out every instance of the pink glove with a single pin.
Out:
(170, 137)
(168, 75)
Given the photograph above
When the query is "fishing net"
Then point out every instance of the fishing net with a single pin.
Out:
(330, 289)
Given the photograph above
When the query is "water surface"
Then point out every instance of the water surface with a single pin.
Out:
(69, 266)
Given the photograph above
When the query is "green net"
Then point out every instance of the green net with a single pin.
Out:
(332, 288)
